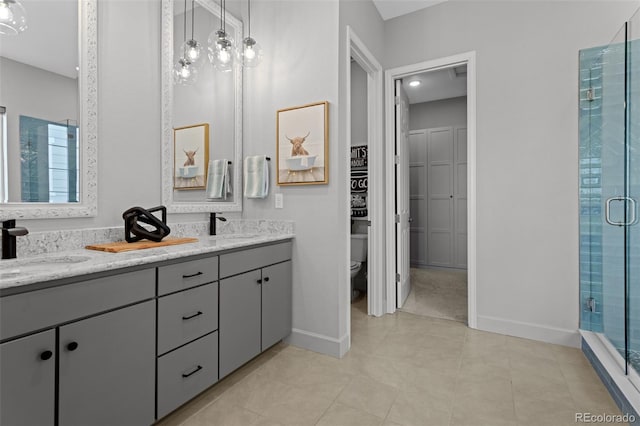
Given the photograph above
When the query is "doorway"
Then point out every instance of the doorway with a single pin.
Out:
(452, 252)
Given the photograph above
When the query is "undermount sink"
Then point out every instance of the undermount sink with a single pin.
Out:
(38, 264)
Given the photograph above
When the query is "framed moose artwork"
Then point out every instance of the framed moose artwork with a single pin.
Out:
(303, 144)
(190, 156)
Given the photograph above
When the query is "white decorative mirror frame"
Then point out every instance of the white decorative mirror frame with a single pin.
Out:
(168, 193)
(88, 115)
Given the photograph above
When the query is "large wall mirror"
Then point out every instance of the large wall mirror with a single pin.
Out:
(48, 112)
(212, 101)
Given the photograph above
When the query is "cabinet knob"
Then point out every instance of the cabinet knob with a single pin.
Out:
(259, 281)
(72, 346)
(46, 355)
(266, 279)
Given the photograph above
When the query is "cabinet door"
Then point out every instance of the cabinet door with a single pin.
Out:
(276, 303)
(27, 380)
(107, 368)
(239, 325)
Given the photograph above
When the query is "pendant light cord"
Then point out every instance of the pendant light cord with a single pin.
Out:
(185, 29)
(249, 16)
(192, 14)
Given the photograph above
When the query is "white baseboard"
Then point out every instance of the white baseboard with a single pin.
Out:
(558, 336)
(319, 343)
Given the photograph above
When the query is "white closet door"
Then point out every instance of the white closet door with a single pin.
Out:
(418, 196)
(460, 197)
(440, 196)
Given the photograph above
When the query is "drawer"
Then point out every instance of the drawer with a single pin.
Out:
(247, 260)
(26, 312)
(187, 315)
(181, 276)
(185, 372)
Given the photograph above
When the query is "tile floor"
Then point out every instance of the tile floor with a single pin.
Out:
(439, 293)
(405, 369)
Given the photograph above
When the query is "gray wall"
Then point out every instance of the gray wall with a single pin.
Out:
(34, 92)
(445, 112)
(527, 145)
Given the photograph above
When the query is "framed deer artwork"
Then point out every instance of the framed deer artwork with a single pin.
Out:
(302, 135)
(190, 156)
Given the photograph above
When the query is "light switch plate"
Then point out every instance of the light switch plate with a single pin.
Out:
(279, 201)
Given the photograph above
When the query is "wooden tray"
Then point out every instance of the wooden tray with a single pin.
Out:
(121, 246)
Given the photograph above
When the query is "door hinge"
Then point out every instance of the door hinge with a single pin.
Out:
(396, 160)
(397, 218)
(396, 100)
(368, 223)
(397, 278)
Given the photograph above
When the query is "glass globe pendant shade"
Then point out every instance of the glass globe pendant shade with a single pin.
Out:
(221, 52)
(13, 17)
(251, 53)
(193, 51)
(184, 72)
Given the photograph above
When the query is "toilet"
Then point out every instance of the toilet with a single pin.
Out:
(358, 257)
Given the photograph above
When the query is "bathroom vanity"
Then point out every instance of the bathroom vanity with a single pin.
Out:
(127, 338)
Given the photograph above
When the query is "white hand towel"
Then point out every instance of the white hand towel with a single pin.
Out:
(256, 177)
(218, 178)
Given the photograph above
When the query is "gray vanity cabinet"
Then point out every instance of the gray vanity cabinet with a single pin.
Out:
(240, 316)
(27, 380)
(106, 372)
(88, 345)
(255, 306)
(276, 303)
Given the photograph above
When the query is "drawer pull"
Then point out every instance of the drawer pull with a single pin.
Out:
(266, 279)
(198, 368)
(192, 316)
(46, 355)
(72, 346)
(192, 275)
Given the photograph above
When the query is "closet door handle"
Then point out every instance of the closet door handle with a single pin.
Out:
(72, 346)
(266, 279)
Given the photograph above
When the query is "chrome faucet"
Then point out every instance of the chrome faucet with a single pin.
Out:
(9, 233)
(212, 222)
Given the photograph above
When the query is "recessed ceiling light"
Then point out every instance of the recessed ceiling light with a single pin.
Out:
(415, 83)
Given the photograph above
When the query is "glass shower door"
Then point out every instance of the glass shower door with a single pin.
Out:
(633, 192)
(609, 137)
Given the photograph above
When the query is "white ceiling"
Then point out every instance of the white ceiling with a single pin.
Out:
(435, 85)
(393, 8)
(50, 41)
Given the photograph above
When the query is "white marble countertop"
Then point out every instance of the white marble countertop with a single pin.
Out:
(66, 264)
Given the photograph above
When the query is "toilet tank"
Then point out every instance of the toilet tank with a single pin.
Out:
(358, 247)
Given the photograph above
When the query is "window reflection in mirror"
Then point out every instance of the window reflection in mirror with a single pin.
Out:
(39, 92)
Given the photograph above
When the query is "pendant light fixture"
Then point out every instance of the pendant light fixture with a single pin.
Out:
(251, 51)
(13, 17)
(184, 72)
(220, 43)
(192, 48)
